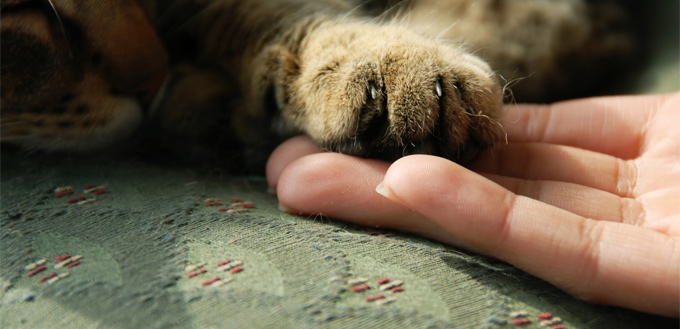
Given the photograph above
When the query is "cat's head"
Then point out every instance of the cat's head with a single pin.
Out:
(74, 73)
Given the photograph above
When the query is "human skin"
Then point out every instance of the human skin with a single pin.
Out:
(586, 195)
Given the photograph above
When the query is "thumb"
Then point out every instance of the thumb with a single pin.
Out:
(587, 258)
(466, 204)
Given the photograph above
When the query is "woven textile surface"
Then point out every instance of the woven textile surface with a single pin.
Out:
(137, 239)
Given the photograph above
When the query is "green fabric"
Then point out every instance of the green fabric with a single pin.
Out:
(137, 239)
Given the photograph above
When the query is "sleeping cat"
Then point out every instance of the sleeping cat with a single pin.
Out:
(374, 79)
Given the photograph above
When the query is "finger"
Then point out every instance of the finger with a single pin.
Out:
(577, 199)
(610, 125)
(597, 261)
(536, 161)
(347, 192)
(663, 132)
(286, 153)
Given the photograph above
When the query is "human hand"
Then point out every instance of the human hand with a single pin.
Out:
(586, 196)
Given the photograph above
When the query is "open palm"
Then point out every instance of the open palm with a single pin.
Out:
(586, 196)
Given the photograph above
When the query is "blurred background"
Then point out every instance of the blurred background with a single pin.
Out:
(659, 48)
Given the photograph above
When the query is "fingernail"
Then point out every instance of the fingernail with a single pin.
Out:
(271, 190)
(384, 191)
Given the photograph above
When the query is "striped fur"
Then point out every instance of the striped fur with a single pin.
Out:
(374, 79)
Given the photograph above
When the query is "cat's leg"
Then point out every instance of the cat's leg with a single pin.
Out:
(545, 50)
(378, 90)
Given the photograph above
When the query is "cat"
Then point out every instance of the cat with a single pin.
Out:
(230, 79)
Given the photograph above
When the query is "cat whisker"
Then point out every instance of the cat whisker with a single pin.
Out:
(61, 26)
(394, 12)
(445, 30)
(356, 8)
(13, 123)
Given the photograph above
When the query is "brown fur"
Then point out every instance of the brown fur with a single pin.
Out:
(77, 88)
(256, 71)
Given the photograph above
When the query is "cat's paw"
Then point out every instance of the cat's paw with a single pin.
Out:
(384, 92)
